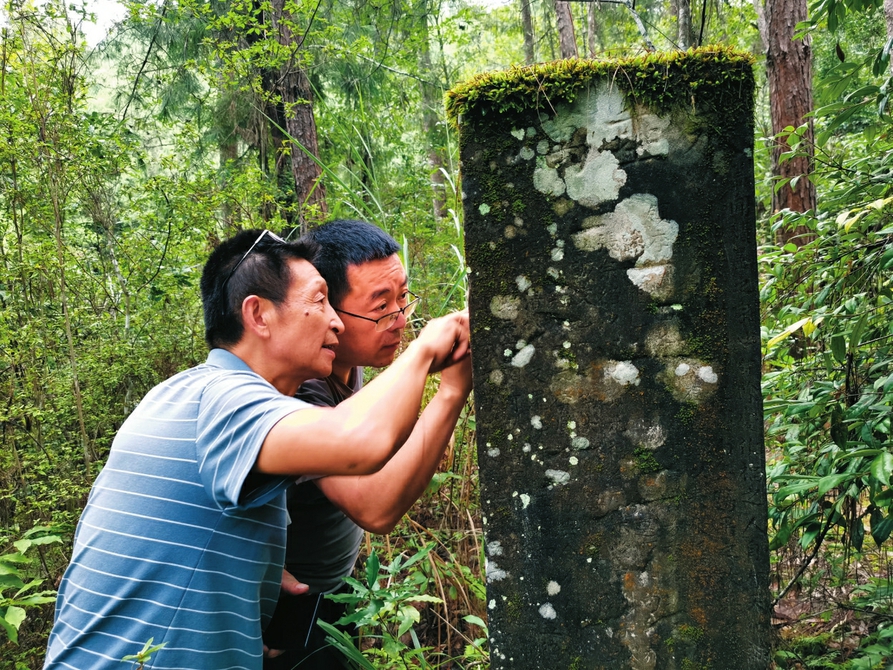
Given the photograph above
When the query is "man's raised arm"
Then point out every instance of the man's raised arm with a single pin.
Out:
(359, 436)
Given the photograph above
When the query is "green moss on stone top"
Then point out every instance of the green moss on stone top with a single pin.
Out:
(706, 77)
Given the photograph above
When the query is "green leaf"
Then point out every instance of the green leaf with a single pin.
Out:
(857, 534)
(829, 482)
(856, 334)
(15, 616)
(882, 529)
(881, 467)
(838, 348)
(838, 428)
(372, 569)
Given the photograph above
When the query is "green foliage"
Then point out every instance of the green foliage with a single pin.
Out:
(388, 613)
(145, 654)
(18, 583)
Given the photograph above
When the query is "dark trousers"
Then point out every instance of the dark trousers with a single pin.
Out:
(293, 628)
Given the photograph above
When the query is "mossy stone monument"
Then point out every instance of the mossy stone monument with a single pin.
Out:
(610, 236)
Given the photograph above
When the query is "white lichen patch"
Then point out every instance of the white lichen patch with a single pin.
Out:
(523, 283)
(493, 452)
(494, 573)
(525, 500)
(557, 254)
(547, 611)
(536, 421)
(526, 153)
(634, 230)
(546, 179)
(599, 179)
(553, 588)
(542, 147)
(524, 356)
(505, 307)
(558, 477)
(518, 133)
(689, 380)
(623, 372)
(496, 377)
(580, 443)
(554, 273)
(573, 460)
(484, 209)
(706, 374)
(494, 548)
(654, 280)
(603, 114)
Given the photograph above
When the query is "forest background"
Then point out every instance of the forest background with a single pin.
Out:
(123, 162)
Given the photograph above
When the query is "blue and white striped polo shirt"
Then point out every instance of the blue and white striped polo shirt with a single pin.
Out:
(169, 546)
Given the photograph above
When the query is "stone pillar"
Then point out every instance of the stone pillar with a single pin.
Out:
(610, 234)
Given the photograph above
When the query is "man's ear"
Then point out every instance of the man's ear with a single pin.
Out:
(256, 316)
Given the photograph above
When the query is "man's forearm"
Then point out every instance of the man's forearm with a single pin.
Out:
(376, 502)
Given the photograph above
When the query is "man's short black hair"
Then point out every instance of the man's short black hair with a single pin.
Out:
(264, 272)
(346, 242)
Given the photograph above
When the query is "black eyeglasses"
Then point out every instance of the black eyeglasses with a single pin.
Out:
(265, 233)
(388, 320)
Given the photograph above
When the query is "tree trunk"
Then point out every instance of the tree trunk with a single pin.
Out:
(592, 32)
(296, 104)
(888, 17)
(567, 41)
(684, 36)
(527, 28)
(789, 73)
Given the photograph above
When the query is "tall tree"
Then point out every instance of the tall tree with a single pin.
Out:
(295, 103)
(527, 29)
(592, 29)
(567, 40)
(789, 73)
(888, 18)
(684, 32)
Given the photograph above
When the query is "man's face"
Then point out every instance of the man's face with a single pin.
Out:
(305, 326)
(376, 288)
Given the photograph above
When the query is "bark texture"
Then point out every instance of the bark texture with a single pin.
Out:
(615, 318)
(789, 74)
(888, 20)
(527, 29)
(296, 109)
(567, 39)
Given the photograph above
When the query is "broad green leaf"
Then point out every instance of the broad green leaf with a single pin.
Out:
(11, 632)
(838, 348)
(15, 616)
(829, 482)
(881, 467)
(881, 531)
(372, 569)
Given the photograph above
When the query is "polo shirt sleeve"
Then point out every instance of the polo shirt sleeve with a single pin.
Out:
(236, 413)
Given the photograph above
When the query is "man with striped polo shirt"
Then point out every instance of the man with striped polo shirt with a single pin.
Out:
(182, 540)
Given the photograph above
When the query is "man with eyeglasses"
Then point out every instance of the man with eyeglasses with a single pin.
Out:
(182, 541)
(369, 289)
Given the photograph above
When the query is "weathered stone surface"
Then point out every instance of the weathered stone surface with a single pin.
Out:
(615, 325)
